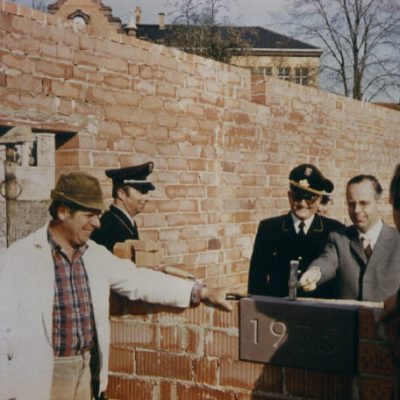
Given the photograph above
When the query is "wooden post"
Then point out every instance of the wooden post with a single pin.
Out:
(11, 193)
(14, 136)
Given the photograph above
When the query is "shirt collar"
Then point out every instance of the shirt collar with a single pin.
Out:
(307, 223)
(56, 247)
(125, 213)
(372, 234)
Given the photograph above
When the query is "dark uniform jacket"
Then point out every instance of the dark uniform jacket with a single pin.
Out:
(115, 227)
(276, 244)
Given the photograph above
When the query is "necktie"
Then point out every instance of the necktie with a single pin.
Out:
(301, 232)
(367, 247)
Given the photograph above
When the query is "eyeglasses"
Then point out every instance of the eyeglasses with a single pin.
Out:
(309, 198)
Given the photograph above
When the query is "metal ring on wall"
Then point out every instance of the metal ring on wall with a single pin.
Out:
(2, 184)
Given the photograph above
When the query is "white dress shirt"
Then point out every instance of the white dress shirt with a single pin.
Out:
(307, 223)
(371, 236)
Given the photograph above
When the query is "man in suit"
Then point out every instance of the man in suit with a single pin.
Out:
(392, 303)
(130, 187)
(366, 255)
(299, 235)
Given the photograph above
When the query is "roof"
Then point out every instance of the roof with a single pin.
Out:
(106, 10)
(392, 106)
(262, 39)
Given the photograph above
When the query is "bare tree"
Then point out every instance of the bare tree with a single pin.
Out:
(360, 40)
(201, 27)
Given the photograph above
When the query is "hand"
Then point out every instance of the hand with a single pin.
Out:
(389, 308)
(308, 281)
(217, 297)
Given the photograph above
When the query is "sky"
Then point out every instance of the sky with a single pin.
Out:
(243, 12)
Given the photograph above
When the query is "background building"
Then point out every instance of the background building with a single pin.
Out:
(264, 52)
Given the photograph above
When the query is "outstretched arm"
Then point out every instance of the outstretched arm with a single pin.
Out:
(218, 297)
(310, 278)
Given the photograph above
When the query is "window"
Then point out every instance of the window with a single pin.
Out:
(79, 19)
(264, 71)
(301, 76)
(284, 73)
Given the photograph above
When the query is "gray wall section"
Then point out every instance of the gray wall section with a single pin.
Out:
(31, 215)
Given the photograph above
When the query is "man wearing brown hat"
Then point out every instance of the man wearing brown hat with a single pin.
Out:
(299, 236)
(365, 255)
(130, 187)
(54, 291)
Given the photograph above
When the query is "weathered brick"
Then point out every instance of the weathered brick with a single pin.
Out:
(116, 81)
(166, 119)
(121, 360)
(114, 64)
(126, 98)
(172, 338)
(374, 358)
(151, 102)
(3, 79)
(67, 159)
(199, 393)
(166, 390)
(163, 364)
(25, 82)
(68, 90)
(100, 95)
(206, 370)
(83, 58)
(248, 375)
(119, 113)
(48, 68)
(124, 388)
(165, 90)
(368, 327)
(17, 62)
(131, 333)
(375, 388)
(222, 344)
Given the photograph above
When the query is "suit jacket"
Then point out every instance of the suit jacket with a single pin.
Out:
(362, 279)
(26, 309)
(276, 244)
(115, 227)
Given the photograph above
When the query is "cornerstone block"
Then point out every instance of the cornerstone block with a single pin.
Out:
(304, 334)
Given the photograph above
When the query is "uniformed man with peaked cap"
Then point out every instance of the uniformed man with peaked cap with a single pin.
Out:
(130, 187)
(299, 235)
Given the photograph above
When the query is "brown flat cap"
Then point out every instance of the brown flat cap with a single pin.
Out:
(80, 189)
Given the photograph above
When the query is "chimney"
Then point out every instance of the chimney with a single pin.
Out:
(131, 27)
(161, 17)
(138, 14)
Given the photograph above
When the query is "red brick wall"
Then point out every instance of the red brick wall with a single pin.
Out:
(222, 149)
(159, 353)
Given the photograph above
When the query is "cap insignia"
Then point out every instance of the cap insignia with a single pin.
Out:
(307, 171)
(304, 182)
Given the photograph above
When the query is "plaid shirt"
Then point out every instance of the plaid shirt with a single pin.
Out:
(73, 318)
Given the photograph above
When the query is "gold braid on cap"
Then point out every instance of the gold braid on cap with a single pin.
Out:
(307, 189)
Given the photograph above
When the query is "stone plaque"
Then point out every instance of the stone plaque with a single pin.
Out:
(304, 334)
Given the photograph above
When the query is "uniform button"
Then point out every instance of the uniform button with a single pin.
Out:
(10, 357)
